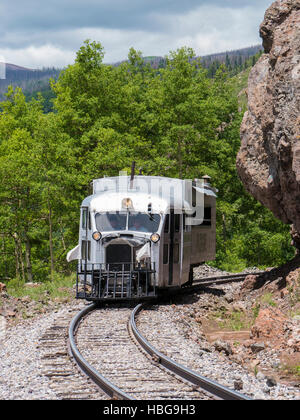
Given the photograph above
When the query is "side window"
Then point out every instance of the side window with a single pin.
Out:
(89, 250)
(194, 197)
(90, 225)
(207, 216)
(84, 219)
(83, 250)
(86, 250)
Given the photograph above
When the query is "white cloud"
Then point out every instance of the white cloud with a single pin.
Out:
(210, 29)
(38, 57)
(207, 29)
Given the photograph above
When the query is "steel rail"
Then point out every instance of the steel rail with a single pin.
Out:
(114, 392)
(208, 385)
(228, 277)
(109, 388)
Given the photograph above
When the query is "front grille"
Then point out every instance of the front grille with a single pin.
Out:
(103, 281)
(117, 255)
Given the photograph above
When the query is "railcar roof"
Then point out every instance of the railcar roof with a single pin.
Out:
(140, 183)
(161, 192)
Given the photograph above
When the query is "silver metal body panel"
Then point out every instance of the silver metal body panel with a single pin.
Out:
(181, 245)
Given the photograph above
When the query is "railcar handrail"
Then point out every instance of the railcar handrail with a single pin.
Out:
(117, 281)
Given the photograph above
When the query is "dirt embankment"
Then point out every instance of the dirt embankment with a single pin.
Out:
(255, 323)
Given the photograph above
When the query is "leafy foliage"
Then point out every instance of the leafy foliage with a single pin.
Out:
(173, 121)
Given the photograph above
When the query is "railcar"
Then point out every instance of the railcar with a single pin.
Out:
(140, 235)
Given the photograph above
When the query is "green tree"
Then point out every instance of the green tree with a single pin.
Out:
(37, 180)
(176, 120)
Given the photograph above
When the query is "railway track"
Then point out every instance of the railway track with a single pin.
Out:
(68, 382)
(204, 282)
(207, 281)
(110, 349)
(65, 380)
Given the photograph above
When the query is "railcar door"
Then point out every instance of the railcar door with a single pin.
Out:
(172, 249)
(85, 244)
(186, 250)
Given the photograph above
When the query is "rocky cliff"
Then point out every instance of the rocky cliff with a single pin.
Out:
(268, 162)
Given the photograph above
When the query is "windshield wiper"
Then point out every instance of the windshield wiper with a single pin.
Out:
(151, 217)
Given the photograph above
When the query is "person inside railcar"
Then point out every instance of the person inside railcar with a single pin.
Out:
(143, 222)
(116, 222)
(136, 224)
(107, 222)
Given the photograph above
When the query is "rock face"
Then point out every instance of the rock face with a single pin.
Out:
(269, 324)
(268, 162)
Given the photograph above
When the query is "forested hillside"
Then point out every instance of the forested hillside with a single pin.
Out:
(29, 80)
(235, 61)
(177, 121)
(34, 81)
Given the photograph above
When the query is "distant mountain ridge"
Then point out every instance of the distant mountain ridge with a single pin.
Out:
(242, 53)
(29, 80)
(37, 80)
(14, 67)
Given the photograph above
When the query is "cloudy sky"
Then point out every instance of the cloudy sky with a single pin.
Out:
(39, 34)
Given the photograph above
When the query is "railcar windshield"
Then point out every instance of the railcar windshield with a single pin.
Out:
(139, 222)
(142, 222)
(107, 222)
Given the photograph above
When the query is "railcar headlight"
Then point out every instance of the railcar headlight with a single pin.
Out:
(127, 203)
(97, 236)
(155, 237)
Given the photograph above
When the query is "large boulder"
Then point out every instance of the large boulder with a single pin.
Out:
(268, 162)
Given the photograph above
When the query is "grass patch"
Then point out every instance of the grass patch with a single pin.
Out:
(238, 321)
(291, 370)
(255, 311)
(233, 321)
(267, 299)
(58, 289)
(296, 370)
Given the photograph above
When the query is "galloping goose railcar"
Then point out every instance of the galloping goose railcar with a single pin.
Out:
(143, 234)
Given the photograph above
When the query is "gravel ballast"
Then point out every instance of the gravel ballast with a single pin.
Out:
(22, 374)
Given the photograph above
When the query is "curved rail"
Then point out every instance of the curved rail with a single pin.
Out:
(208, 385)
(228, 278)
(114, 392)
(109, 388)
